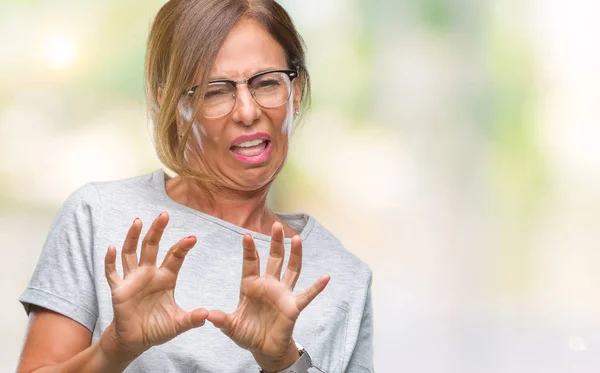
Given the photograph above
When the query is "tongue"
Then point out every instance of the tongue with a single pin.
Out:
(251, 151)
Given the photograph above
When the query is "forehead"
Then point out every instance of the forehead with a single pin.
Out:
(248, 48)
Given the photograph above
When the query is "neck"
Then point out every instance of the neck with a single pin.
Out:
(246, 210)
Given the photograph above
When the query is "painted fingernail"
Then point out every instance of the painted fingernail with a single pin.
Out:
(188, 237)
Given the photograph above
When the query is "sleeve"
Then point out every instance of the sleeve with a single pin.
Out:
(63, 280)
(361, 360)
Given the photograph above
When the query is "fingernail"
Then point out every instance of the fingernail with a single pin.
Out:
(188, 237)
(135, 220)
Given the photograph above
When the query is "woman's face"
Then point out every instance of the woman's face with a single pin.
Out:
(245, 149)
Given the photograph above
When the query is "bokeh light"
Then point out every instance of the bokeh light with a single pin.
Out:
(60, 51)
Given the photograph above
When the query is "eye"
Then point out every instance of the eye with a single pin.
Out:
(215, 93)
(267, 84)
(217, 90)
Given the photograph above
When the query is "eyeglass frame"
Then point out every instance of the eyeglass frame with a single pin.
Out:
(292, 74)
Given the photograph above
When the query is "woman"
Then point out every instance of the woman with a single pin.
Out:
(225, 81)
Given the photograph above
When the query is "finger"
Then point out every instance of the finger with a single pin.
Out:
(192, 319)
(220, 319)
(110, 267)
(303, 299)
(129, 252)
(290, 277)
(174, 258)
(152, 239)
(276, 253)
(251, 262)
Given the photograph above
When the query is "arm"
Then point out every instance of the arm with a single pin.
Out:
(55, 343)
(144, 308)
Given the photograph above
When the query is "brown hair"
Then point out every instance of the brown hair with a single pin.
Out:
(183, 43)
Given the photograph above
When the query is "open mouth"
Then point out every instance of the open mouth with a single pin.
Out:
(252, 151)
(250, 148)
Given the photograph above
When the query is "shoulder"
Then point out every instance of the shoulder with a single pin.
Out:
(95, 189)
(329, 250)
(117, 193)
(129, 186)
(325, 238)
(94, 197)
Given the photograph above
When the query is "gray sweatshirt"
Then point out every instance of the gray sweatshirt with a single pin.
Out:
(336, 329)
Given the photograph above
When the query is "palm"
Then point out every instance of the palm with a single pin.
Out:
(265, 316)
(264, 320)
(145, 312)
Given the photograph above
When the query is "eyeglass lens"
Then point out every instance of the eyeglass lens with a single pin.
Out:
(269, 90)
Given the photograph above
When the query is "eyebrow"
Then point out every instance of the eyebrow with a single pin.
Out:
(211, 78)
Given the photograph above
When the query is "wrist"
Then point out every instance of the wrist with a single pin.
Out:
(113, 351)
(273, 365)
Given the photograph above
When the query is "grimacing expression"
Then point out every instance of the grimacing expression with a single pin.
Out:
(245, 149)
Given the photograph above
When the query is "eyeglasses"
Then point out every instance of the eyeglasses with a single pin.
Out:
(270, 89)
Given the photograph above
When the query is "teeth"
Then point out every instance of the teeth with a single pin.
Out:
(247, 144)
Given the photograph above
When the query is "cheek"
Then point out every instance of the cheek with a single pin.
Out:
(202, 142)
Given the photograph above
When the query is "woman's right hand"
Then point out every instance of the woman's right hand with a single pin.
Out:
(145, 312)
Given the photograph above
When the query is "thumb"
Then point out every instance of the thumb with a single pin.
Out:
(220, 319)
(192, 319)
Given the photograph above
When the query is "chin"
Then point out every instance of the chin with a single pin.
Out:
(257, 178)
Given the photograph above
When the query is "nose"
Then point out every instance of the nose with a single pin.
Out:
(245, 111)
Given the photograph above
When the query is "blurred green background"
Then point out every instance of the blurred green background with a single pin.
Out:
(453, 145)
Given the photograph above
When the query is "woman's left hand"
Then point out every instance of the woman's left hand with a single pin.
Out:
(264, 320)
